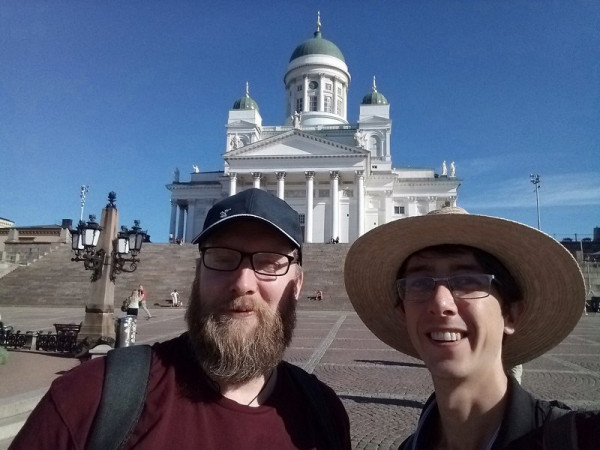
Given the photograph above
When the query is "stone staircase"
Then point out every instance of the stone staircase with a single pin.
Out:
(57, 281)
(324, 270)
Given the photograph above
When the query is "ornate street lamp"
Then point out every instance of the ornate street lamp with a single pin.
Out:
(127, 241)
(85, 239)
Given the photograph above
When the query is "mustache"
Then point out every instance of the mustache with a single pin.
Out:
(244, 303)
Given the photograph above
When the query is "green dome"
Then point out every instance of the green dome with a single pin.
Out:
(245, 102)
(374, 97)
(317, 46)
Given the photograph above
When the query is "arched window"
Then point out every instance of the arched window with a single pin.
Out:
(374, 145)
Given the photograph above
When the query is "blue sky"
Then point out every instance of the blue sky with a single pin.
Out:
(116, 94)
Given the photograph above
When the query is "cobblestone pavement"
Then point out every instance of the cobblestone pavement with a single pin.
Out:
(382, 389)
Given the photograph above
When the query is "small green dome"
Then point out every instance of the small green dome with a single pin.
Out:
(245, 102)
(374, 97)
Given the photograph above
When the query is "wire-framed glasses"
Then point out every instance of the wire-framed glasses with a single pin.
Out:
(466, 287)
(263, 263)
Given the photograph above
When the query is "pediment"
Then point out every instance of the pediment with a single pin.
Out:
(374, 120)
(241, 124)
(294, 144)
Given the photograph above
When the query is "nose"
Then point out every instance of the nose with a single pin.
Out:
(244, 279)
(442, 301)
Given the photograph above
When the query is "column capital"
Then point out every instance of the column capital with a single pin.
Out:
(334, 174)
(359, 173)
(232, 175)
(256, 175)
(309, 174)
(281, 175)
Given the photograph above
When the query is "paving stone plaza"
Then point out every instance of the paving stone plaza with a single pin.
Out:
(382, 389)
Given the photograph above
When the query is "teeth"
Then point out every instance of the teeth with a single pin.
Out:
(445, 336)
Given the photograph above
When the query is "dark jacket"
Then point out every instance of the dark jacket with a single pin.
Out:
(522, 423)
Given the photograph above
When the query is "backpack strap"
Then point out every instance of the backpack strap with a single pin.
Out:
(123, 396)
(560, 431)
(313, 392)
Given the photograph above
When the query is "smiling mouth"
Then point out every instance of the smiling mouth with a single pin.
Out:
(446, 336)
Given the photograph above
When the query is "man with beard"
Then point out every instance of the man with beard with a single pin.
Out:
(223, 384)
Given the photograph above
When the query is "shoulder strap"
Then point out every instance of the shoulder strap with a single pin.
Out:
(311, 388)
(123, 396)
(559, 431)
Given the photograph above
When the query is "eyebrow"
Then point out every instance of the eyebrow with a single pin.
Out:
(428, 267)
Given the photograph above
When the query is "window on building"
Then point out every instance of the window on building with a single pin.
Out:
(339, 91)
(398, 209)
(328, 107)
(328, 87)
(299, 105)
(313, 102)
(340, 107)
(374, 145)
(299, 87)
(302, 219)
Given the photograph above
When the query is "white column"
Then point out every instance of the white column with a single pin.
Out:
(305, 94)
(281, 185)
(308, 222)
(321, 94)
(190, 233)
(360, 201)
(232, 183)
(173, 219)
(335, 96)
(335, 204)
(181, 221)
(256, 177)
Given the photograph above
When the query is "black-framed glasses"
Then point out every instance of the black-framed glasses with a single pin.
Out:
(263, 263)
(465, 287)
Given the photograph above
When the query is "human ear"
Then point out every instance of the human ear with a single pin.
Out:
(511, 317)
(298, 283)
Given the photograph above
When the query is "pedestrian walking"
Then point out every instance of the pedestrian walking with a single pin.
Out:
(143, 305)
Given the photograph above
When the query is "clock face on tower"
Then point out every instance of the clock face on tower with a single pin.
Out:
(313, 85)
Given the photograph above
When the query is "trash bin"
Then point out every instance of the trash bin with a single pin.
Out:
(126, 328)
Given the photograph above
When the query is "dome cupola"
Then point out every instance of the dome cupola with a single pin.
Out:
(317, 45)
(374, 97)
(316, 83)
(245, 102)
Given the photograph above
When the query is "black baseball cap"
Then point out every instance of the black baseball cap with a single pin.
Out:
(254, 204)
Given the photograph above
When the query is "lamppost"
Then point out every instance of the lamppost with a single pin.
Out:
(100, 246)
(82, 193)
(535, 179)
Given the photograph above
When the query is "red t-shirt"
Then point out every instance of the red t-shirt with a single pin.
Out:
(181, 411)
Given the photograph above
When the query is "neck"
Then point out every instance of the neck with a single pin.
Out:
(253, 392)
(471, 410)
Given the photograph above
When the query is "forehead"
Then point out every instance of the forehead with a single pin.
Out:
(249, 235)
(446, 259)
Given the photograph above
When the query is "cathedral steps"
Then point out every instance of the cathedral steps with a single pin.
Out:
(57, 281)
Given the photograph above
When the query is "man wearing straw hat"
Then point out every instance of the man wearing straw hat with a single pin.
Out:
(472, 296)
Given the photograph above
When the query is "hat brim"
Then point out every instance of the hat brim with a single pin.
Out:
(549, 277)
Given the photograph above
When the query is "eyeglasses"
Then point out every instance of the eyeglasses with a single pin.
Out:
(263, 263)
(465, 287)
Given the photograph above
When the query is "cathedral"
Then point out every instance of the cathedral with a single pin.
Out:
(336, 174)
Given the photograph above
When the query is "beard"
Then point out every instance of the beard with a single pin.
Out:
(230, 349)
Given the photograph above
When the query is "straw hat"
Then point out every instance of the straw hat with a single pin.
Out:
(549, 277)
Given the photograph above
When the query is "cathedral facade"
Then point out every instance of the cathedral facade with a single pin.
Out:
(336, 174)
